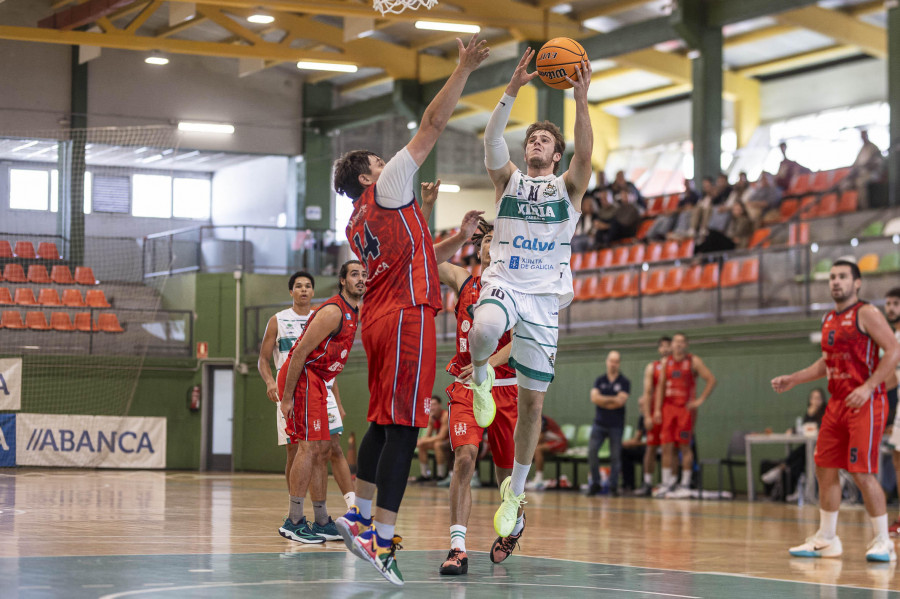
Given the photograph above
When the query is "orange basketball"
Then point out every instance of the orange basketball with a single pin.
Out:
(558, 58)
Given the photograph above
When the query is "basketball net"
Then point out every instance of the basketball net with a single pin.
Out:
(398, 6)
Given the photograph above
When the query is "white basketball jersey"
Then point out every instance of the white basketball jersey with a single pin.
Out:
(290, 326)
(533, 232)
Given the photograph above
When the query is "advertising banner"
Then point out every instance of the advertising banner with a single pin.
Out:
(11, 384)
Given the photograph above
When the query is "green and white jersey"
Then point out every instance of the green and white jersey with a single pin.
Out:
(533, 232)
(290, 327)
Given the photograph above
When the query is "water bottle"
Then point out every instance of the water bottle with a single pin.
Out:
(798, 425)
(801, 489)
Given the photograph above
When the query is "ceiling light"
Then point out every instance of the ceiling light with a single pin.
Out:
(206, 127)
(410, 125)
(157, 60)
(327, 66)
(150, 159)
(449, 188)
(440, 26)
(26, 145)
(261, 19)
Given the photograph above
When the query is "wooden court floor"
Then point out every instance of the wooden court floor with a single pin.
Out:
(110, 534)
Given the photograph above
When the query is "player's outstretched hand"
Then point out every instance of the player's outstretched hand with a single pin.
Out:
(272, 392)
(471, 55)
(470, 222)
(859, 396)
(580, 86)
(521, 76)
(430, 192)
(782, 383)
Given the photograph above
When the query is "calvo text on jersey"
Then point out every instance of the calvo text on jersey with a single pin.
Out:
(535, 244)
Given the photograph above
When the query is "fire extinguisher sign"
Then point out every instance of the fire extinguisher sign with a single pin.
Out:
(202, 350)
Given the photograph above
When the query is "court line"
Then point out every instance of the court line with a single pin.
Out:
(409, 582)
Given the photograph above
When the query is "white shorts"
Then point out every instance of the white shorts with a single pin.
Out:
(335, 424)
(534, 319)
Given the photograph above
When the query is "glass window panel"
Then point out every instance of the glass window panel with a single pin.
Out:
(29, 189)
(54, 190)
(151, 196)
(191, 198)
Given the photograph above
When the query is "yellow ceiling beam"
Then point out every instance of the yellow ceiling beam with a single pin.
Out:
(798, 60)
(142, 16)
(183, 26)
(129, 10)
(665, 64)
(757, 35)
(840, 27)
(652, 95)
(523, 21)
(464, 112)
(228, 24)
(609, 9)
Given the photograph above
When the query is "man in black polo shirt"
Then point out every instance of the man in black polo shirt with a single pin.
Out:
(609, 394)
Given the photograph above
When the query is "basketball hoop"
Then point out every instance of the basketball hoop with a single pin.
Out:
(398, 6)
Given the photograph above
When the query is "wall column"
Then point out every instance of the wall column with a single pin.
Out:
(893, 75)
(71, 166)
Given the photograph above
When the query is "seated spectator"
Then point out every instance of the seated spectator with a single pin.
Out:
(721, 190)
(618, 220)
(720, 214)
(740, 191)
(625, 192)
(763, 200)
(551, 441)
(588, 225)
(795, 464)
(867, 168)
(666, 223)
(702, 210)
(436, 434)
(787, 170)
(738, 231)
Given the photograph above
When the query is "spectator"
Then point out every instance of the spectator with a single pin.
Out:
(721, 190)
(667, 223)
(701, 211)
(436, 435)
(609, 394)
(787, 170)
(867, 168)
(551, 441)
(763, 200)
(788, 471)
(740, 191)
(625, 192)
(588, 226)
(720, 212)
(736, 235)
(619, 219)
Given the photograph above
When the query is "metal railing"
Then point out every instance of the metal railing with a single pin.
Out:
(246, 248)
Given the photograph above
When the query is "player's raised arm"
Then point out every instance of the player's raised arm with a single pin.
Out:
(444, 250)
(496, 153)
(326, 321)
(578, 176)
(264, 363)
(436, 116)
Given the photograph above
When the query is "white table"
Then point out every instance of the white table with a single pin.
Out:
(787, 440)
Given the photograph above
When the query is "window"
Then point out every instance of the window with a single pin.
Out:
(343, 210)
(191, 198)
(29, 189)
(111, 194)
(54, 191)
(152, 196)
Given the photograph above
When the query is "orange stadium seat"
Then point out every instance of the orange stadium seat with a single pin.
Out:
(47, 251)
(84, 275)
(731, 274)
(710, 277)
(73, 298)
(577, 286)
(799, 185)
(788, 209)
(576, 261)
(654, 206)
(828, 205)
(36, 321)
(588, 288)
(868, 263)
(95, 298)
(821, 181)
(620, 256)
(24, 249)
(83, 322)
(849, 202)
(652, 282)
(808, 207)
(108, 323)
(760, 237)
(636, 253)
(5, 298)
(604, 258)
(644, 229)
(839, 175)
(671, 203)
(5, 249)
(798, 234)
(61, 275)
(691, 280)
(621, 285)
(11, 319)
(605, 287)
(686, 249)
(37, 273)
(590, 260)
(60, 321)
(750, 271)
(14, 273)
(674, 278)
(25, 297)
(654, 252)
(49, 297)
(670, 250)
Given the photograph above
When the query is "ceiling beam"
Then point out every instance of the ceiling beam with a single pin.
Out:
(142, 16)
(756, 35)
(183, 26)
(799, 60)
(524, 22)
(82, 14)
(365, 83)
(727, 12)
(609, 9)
(629, 38)
(230, 25)
(652, 95)
(839, 27)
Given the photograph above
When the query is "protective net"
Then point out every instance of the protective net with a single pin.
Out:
(75, 308)
(398, 6)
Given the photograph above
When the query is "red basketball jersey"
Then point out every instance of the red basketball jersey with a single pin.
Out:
(680, 381)
(329, 358)
(850, 355)
(465, 305)
(657, 366)
(397, 249)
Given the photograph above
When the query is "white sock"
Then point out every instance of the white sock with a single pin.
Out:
(520, 524)
(519, 476)
(538, 477)
(458, 537)
(648, 479)
(350, 498)
(828, 524)
(685, 478)
(384, 531)
(668, 477)
(880, 526)
(442, 470)
(365, 507)
(479, 373)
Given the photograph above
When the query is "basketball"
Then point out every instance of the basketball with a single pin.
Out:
(556, 59)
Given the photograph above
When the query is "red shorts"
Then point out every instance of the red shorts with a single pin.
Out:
(653, 434)
(677, 425)
(310, 421)
(401, 350)
(850, 439)
(465, 431)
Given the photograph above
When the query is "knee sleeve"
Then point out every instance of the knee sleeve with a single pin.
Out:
(530, 383)
(393, 466)
(370, 449)
(489, 325)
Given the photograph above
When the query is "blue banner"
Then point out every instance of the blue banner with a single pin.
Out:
(7, 440)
